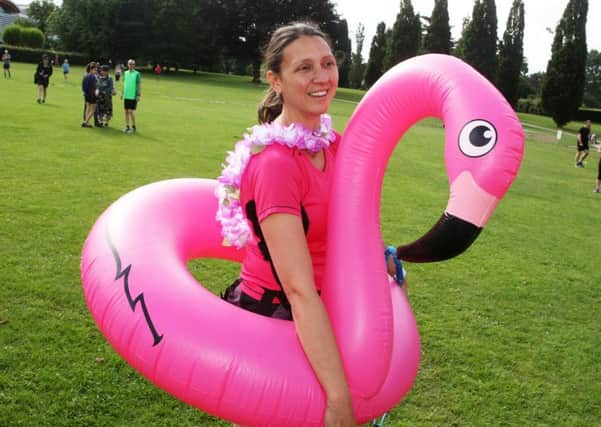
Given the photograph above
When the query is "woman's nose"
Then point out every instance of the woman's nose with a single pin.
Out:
(321, 75)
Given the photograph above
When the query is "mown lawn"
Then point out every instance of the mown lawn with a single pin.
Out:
(510, 330)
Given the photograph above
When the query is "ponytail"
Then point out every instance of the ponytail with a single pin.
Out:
(270, 107)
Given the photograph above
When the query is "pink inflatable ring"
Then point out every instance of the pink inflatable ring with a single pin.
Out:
(251, 369)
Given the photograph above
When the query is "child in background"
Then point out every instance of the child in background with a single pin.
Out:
(106, 91)
(66, 68)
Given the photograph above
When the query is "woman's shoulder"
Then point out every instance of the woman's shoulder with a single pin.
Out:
(275, 152)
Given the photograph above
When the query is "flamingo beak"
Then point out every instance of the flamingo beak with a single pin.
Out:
(449, 237)
(468, 210)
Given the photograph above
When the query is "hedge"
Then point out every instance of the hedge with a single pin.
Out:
(34, 56)
(534, 106)
(588, 114)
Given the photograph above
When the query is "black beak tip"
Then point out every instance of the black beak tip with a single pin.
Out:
(449, 237)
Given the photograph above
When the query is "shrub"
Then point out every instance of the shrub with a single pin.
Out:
(12, 35)
(530, 105)
(32, 37)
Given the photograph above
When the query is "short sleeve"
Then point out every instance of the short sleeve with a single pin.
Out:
(274, 182)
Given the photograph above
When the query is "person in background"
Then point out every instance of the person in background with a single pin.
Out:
(598, 182)
(158, 70)
(89, 89)
(66, 68)
(42, 78)
(106, 90)
(131, 93)
(117, 71)
(6, 63)
(582, 144)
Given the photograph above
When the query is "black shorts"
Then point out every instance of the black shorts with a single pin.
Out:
(130, 104)
(6, 66)
(90, 99)
(583, 147)
(270, 304)
(599, 172)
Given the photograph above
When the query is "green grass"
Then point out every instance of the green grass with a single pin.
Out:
(510, 330)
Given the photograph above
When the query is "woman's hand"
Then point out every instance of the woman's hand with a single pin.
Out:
(339, 414)
(285, 238)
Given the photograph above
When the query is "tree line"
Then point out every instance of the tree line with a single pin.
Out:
(228, 35)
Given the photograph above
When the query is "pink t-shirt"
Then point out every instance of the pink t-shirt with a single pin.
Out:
(283, 180)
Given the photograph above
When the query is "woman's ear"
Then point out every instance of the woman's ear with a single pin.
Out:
(274, 81)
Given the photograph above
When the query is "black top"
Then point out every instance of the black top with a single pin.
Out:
(43, 73)
(584, 134)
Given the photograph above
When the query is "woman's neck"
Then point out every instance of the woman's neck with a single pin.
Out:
(310, 122)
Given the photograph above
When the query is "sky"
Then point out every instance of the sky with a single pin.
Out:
(541, 18)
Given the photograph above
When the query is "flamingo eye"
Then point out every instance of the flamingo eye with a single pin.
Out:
(477, 138)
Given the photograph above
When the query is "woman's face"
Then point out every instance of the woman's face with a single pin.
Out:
(307, 80)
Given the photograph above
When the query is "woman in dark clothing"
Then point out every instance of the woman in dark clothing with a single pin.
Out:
(42, 78)
(89, 89)
(104, 102)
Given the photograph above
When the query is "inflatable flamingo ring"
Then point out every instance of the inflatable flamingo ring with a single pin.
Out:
(251, 369)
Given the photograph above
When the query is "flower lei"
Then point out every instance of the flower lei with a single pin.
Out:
(234, 228)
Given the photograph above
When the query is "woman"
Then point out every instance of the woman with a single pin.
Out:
(66, 68)
(104, 102)
(283, 195)
(42, 78)
(90, 91)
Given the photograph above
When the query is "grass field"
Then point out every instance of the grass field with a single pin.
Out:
(511, 330)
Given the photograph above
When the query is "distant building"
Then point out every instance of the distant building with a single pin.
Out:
(8, 13)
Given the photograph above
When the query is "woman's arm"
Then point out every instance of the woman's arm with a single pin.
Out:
(285, 239)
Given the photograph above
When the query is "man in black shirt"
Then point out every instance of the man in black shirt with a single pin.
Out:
(582, 144)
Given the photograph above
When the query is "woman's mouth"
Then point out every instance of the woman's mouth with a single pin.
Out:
(318, 94)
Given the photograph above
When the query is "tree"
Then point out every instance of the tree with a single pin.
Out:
(511, 54)
(167, 38)
(357, 66)
(338, 30)
(375, 65)
(438, 34)
(251, 23)
(77, 22)
(592, 87)
(405, 38)
(563, 87)
(39, 11)
(24, 22)
(479, 40)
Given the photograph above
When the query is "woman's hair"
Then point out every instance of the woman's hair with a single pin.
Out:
(273, 54)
